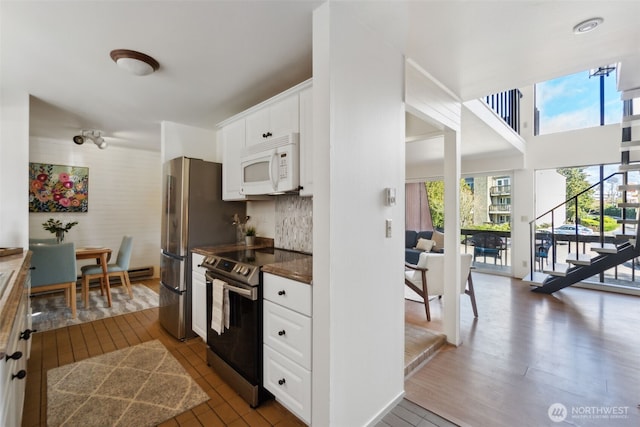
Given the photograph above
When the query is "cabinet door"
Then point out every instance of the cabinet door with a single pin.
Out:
(233, 140)
(198, 304)
(257, 125)
(279, 118)
(306, 143)
(284, 116)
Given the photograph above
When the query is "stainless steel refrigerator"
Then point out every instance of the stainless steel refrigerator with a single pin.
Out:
(193, 215)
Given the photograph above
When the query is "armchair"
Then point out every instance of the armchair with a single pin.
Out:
(427, 278)
(54, 268)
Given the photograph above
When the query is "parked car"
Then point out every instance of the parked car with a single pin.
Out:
(571, 229)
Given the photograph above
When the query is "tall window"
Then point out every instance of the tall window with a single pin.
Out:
(574, 102)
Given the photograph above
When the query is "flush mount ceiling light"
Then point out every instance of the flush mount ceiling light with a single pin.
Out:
(134, 62)
(94, 136)
(588, 25)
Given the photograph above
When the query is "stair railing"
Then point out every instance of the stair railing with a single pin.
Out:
(574, 199)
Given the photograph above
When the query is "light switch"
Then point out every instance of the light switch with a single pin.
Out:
(390, 196)
(388, 227)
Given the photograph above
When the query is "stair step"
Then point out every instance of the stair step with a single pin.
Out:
(579, 259)
(607, 248)
(629, 167)
(630, 145)
(558, 270)
(629, 187)
(537, 279)
(628, 121)
(628, 205)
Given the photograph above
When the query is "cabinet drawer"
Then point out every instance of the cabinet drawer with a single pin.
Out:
(288, 293)
(288, 332)
(289, 383)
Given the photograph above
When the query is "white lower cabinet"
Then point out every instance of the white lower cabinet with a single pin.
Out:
(198, 297)
(13, 365)
(287, 343)
(289, 383)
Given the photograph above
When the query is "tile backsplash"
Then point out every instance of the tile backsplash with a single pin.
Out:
(294, 223)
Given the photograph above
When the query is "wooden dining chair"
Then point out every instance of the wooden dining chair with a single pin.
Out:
(119, 269)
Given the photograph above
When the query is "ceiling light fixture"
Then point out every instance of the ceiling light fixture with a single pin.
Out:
(94, 136)
(587, 26)
(134, 62)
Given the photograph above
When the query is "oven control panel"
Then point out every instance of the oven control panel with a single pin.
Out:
(245, 273)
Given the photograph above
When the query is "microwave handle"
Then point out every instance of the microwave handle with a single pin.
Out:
(273, 171)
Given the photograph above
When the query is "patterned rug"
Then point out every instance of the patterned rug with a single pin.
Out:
(142, 385)
(51, 312)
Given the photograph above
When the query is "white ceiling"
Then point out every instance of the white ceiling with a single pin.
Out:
(218, 58)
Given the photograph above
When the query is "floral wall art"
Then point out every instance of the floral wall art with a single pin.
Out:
(58, 188)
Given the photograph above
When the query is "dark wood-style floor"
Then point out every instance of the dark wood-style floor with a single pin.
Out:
(527, 351)
(58, 347)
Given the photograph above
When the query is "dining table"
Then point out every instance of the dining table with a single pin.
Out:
(102, 255)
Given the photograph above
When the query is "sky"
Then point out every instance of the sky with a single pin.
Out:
(573, 102)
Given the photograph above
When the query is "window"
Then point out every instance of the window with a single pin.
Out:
(573, 102)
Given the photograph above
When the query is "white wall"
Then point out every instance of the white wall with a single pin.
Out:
(14, 173)
(358, 307)
(182, 140)
(124, 198)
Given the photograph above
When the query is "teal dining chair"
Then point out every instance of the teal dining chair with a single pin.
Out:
(119, 269)
(54, 269)
(50, 241)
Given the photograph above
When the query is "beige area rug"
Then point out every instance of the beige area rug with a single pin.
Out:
(51, 312)
(141, 385)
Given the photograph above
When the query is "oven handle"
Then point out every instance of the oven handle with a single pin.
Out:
(251, 294)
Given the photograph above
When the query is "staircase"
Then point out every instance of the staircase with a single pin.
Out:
(605, 251)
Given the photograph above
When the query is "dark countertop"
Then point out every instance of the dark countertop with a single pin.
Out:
(299, 267)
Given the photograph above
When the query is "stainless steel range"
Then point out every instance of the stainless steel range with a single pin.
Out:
(236, 353)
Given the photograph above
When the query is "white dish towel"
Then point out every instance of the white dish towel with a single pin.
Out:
(219, 307)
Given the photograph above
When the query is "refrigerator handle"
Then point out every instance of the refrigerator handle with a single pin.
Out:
(167, 213)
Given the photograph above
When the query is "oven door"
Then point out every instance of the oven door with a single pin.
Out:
(240, 346)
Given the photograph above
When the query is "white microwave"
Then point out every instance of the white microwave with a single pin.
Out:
(271, 167)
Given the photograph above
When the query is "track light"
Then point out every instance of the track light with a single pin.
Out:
(93, 135)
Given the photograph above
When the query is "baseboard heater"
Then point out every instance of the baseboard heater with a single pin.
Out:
(134, 273)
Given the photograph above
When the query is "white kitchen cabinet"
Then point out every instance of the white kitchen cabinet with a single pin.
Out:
(306, 142)
(276, 119)
(13, 366)
(198, 296)
(233, 142)
(287, 338)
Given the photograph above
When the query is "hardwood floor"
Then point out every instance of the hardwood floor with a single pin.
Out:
(58, 347)
(527, 351)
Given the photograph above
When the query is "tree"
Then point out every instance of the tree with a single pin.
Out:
(435, 196)
(576, 183)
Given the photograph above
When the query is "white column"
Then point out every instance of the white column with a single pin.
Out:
(451, 298)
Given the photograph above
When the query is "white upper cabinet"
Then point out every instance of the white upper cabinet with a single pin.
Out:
(285, 113)
(306, 142)
(279, 118)
(233, 141)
